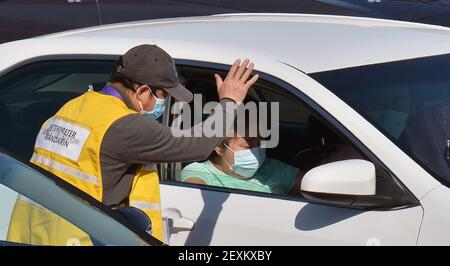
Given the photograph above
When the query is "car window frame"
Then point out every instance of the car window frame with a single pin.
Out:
(315, 109)
(58, 57)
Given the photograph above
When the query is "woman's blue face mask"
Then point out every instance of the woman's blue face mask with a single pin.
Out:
(247, 162)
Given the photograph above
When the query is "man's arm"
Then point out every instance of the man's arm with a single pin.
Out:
(138, 139)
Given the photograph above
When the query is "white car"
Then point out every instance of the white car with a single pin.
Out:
(363, 110)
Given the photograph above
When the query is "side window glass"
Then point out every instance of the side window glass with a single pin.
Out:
(408, 101)
(25, 222)
(305, 141)
(301, 115)
(35, 92)
(34, 210)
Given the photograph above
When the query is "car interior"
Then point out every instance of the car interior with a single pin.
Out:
(32, 94)
(306, 141)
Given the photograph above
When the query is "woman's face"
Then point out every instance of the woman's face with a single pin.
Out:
(235, 144)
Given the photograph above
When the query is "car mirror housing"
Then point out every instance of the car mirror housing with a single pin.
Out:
(343, 183)
(348, 177)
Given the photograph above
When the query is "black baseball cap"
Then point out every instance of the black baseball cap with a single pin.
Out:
(151, 65)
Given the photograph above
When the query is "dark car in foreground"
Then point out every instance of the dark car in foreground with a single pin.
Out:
(20, 19)
(103, 226)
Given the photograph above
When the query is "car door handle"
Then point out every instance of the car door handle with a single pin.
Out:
(181, 224)
(176, 221)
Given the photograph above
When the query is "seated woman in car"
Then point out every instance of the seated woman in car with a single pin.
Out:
(239, 162)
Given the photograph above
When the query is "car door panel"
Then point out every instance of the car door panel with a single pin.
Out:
(244, 219)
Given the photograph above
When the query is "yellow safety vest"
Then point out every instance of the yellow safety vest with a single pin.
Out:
(68, 145)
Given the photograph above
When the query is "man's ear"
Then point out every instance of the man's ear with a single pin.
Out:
(142, 89)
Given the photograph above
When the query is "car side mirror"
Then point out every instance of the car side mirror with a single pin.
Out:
(340, 183)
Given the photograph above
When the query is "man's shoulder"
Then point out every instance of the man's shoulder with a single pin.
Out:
(132, 124)
(133, 117)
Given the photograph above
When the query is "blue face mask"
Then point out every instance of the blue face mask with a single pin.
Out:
(158, 109)
(247, 162)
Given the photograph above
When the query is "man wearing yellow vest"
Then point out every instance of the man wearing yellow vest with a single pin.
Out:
(107, 143)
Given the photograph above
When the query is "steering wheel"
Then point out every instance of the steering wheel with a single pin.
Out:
(309, 158)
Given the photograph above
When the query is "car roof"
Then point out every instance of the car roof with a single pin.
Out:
(310, 43)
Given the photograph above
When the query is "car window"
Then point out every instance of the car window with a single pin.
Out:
(289, 103)
(305, 141)
(35, 210)
(408, 101)
(33, 93)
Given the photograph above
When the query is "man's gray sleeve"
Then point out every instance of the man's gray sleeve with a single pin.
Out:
(138, 139)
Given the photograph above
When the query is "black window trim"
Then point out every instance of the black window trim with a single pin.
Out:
(58, 57)
(309, 103)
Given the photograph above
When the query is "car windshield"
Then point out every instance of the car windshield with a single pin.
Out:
(409, 101)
